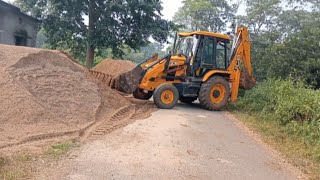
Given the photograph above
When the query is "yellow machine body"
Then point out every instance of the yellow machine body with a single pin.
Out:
(173, 69)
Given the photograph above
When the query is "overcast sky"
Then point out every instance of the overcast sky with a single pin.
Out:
(170, 7)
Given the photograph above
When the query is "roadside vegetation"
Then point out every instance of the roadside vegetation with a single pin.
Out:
(287, 114)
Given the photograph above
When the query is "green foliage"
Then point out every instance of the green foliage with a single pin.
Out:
(112, 24)
(300, 57)
(145, 52)
(261, 14)
(292, 105)
(35, 8)
(285, 41)
(296, 57)
(41, 39)
(136, 56)
(61, 149)
(208, 15)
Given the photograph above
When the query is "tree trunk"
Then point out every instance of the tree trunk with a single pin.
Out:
(90, 56)
(90, 45)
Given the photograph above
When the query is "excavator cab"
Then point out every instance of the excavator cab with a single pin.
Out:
(204, 52)
(203, 65)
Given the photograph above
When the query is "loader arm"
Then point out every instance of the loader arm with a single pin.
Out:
(150, 73)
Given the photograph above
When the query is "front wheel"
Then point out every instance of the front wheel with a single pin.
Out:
(214, 93)
(166, 96)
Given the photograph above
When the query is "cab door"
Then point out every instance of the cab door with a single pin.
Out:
(211, 55)
(214, 55)
(208, 53)
(204, 58)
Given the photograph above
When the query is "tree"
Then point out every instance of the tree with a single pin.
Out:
(285, 40)
(111, 24)
(298, 56)
(41, 39)
(208, 15)
(261, 14)
(134, 55)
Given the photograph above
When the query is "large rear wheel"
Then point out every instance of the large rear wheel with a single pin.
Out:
(214, 94)
(166, 96)
(140, 94)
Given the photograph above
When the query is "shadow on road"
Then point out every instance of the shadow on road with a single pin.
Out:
(194, 106)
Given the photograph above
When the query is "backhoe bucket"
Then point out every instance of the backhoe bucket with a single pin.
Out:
(129, 82)
(246, 82)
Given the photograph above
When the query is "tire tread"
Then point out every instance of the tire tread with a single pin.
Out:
(204, 93)
(157, 96)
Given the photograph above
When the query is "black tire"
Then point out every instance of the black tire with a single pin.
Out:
(158, 96)
(139, 94)
(213, 98)
(187, 100)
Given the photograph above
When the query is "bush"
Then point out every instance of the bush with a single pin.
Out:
(292, 105)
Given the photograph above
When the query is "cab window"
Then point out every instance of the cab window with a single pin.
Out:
(208, 52)
(212, 53)
(221, 55)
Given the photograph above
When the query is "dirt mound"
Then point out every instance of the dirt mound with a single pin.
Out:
(114, 67)
(44, 92)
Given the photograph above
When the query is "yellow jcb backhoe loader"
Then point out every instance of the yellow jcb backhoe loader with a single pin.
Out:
(202, 66)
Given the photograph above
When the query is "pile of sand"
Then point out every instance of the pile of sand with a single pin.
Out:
(44, 92)
(114, 67)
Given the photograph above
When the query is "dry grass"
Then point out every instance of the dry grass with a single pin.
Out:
(16, 167)
(24, 166)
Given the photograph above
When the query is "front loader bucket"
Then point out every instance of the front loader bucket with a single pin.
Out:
(129, 82)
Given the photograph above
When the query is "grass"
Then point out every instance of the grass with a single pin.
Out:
(59, 150)
(15, 167)
(23, 166)
(299, 153)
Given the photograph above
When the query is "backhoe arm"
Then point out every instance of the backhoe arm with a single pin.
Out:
(240, 67)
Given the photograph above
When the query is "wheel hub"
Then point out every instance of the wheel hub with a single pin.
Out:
(167, 97)
(217, 93)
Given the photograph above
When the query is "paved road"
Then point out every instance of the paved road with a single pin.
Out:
(184, 143)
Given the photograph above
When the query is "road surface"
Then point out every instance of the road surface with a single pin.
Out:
(184, 143)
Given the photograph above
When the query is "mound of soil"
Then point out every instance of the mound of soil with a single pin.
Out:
(114, 67)
(45, 92)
